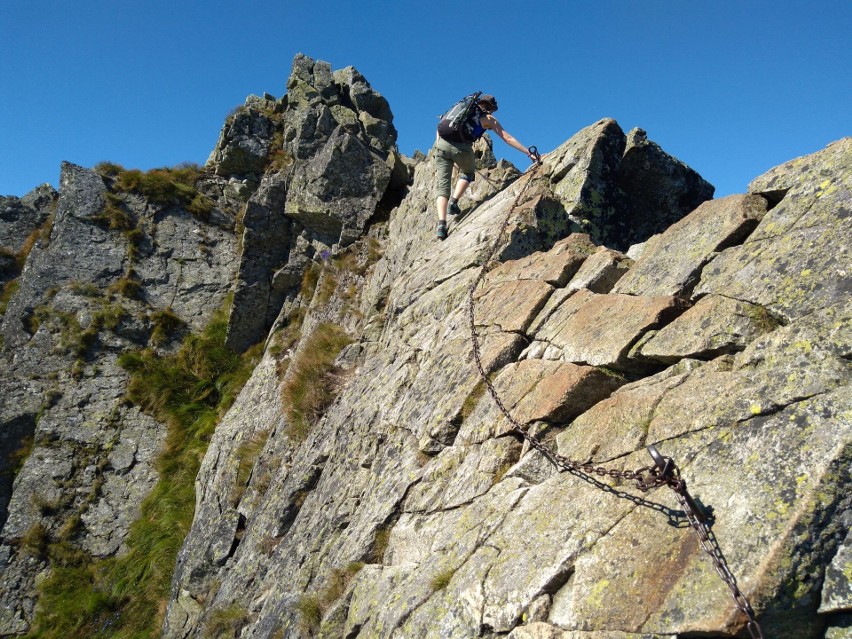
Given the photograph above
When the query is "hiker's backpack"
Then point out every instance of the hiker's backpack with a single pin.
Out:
(456, 124)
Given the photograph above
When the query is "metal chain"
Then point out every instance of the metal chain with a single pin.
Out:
(710, 546)
(664, 472)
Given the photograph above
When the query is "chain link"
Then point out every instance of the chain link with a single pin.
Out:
(664, 472)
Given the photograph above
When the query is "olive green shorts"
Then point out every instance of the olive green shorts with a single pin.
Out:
(448, 153)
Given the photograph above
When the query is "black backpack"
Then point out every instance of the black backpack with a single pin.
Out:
(455, 124)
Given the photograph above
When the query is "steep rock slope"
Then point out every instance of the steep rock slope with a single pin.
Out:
(112, 274)
(408, 509)
(364, 483)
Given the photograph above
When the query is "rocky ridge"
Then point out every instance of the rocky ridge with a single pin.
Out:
(404, 506)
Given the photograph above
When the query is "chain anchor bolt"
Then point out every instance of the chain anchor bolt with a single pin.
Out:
(668, 472)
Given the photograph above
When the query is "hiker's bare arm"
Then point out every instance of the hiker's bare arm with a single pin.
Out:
(491, 123)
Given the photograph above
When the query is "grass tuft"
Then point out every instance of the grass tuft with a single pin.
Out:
(313, 607)
(167, 326)
(114, 216)
(313, 379)
(40, 233)
(310, 280)
(129, 286)
(338, 582)
(165, 186)
(109, 169)
(441, 580)
(380, 545)
(226, 623)
(310, 613)
(35, 541)
(278, 158)
(20, 455)
(6, 293)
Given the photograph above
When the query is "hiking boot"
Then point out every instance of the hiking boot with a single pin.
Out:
(453, 208)
(442, 230)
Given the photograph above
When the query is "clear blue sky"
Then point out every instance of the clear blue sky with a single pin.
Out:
(731, 87)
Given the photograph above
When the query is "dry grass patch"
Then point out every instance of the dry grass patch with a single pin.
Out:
(313, 607)
(313, 379)
(247, 454)
(442, 579)
(226, 623)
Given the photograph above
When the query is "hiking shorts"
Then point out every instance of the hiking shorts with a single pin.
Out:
(448, 153)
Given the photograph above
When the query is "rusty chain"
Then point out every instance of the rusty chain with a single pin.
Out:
(664, 471)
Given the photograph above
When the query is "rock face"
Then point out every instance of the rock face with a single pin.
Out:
(625, 188)
(326, 162)
(403, 504)
(457, 530)
(663, 269)
(87, 293)
(660, 189)
(20, 219)
(779, 262)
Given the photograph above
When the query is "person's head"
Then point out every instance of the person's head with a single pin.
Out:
(487, 103)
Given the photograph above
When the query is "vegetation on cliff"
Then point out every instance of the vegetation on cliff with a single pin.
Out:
(165, 186)
(124, 596)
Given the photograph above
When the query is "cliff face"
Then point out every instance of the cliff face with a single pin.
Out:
(94, 285)
(364, 482)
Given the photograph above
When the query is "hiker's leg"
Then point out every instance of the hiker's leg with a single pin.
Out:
(467, 172)
(461, 187)
(444, 171)
(441, 204)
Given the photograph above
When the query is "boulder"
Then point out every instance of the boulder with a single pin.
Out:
(660, 189)
(538, 390)
(310, 81)
(579, 329)
(512, 295)
(373, 110)
(619, 424)
(331, 160)
(245, 141)
(672, 262)
(21, 216)
(512, 306)
(716, 325)
(555, 267)
(797, 259)
(336, 192)
(601, 271)
(583, 174)
(266, 244)
(621, 189)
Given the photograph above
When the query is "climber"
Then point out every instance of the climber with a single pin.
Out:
(458, 129)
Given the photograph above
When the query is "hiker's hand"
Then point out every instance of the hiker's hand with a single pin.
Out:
(534, 155)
